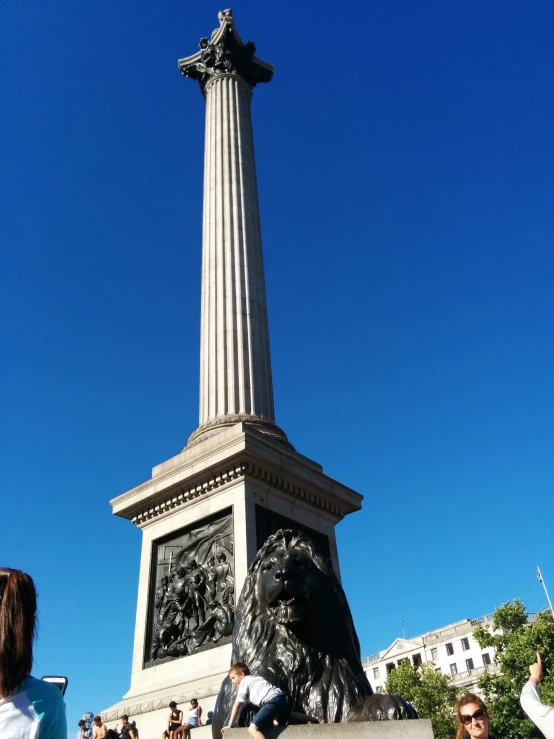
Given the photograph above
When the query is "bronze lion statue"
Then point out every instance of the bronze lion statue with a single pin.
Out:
(294, 628)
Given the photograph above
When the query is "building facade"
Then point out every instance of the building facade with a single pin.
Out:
(451, 650)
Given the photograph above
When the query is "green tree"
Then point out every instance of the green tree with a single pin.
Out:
(431, 693)
(516, 640)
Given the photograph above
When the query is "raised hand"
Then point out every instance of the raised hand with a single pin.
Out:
(535, 669)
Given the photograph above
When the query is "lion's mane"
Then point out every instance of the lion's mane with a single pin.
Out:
(318, 665)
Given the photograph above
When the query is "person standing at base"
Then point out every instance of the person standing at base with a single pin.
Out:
(193, 721)
(539, 713)
(174, 721)
(101, 731)
(84, 731)
(128, 730)
(29, 707)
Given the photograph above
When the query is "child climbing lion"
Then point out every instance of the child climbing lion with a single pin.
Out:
(272, 701)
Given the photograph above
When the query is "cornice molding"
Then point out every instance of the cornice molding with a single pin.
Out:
(190, 492)
(240, 470)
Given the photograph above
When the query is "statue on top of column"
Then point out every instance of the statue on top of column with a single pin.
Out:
(225, 53)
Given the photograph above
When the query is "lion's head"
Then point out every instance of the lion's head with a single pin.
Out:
(288, 582)
(293, 627)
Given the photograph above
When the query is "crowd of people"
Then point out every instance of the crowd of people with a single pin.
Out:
(100, 730)
(31, 708)
(178, 727)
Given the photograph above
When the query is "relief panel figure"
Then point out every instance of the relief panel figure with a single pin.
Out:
(191, 603)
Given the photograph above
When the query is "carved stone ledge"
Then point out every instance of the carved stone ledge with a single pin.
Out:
(135, 709)
(240, 470)
(296, 491)
(189, 493)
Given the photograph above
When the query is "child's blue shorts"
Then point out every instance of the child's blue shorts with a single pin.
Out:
(274, 707)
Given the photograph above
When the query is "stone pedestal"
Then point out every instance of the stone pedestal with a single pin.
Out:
(257, 483)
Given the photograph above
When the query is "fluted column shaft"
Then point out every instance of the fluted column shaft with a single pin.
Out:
(235, 366)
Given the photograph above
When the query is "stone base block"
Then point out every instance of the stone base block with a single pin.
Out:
(152, 725)
(415, 729)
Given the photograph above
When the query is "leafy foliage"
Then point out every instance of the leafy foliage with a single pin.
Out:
(432, 694)
(516, 640)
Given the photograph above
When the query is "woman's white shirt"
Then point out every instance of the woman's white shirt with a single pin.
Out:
(539, 713)
(36, 711)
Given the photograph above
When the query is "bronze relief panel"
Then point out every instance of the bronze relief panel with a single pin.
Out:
(191, 601)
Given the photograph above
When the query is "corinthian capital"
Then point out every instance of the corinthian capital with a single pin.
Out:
(226, 53)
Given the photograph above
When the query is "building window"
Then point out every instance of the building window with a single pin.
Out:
(449, 649)
(379, 689)
(390, 667)
(469, 664)
(376, 673)
(438, 669)
(416, 659)
(465, 644)
(453, 669)
(486, 658)
(434, 654)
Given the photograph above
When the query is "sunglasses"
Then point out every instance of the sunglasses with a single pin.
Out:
(466, 719)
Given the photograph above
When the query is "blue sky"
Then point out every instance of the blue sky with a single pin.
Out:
(405, 159)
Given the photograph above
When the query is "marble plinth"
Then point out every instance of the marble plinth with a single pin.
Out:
(255, 477)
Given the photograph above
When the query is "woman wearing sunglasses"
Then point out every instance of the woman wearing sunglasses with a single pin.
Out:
(473, 718)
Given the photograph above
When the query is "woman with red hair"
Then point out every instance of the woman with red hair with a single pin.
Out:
(473, 718)
(29, 708)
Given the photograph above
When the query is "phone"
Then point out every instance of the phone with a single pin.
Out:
(59, 680)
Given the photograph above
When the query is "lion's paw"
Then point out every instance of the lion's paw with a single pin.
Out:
(381, 707)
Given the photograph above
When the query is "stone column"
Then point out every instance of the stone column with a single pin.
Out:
(235, 366)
